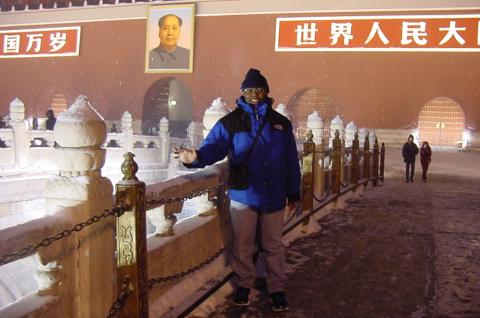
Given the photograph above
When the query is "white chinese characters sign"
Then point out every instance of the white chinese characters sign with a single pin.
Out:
(450, 33)
(64, 41)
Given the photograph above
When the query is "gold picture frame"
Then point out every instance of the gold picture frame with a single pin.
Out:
(175, 53)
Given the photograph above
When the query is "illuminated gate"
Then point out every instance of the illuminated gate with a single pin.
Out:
(441, 122)
(58, 103)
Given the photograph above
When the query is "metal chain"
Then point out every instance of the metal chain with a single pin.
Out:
(157, 280)
(186, 197)
(29, 250)
(122, 298)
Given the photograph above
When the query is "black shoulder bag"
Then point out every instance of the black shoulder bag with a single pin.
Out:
(238, 174)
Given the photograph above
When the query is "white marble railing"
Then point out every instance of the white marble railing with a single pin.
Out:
(21, 148)
(80, 192)
(6, 137)
(41, 138)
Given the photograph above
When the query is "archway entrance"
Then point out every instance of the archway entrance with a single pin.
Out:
(304, 102)
(167, 97)
(441, 122)
(58, 103)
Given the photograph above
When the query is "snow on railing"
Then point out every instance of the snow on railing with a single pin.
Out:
(80, 191)
(6, 138)
(41, 138)
(22, 147)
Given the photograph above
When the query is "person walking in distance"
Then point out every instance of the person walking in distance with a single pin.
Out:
(51, 120)
(409, 152)
(264, 177)
(425, 159)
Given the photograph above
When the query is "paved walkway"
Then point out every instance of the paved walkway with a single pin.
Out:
(400, 250)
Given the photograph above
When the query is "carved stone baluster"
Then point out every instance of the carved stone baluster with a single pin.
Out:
(164, 139)
(315, 124)
(217, 110)
(87, 264)
(205, 206)
(336, 124)
(163, 218)
(48, 276)
(21, 135)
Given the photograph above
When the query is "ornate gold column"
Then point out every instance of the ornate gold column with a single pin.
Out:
(132, 239)
(336, 162)
(307, 174)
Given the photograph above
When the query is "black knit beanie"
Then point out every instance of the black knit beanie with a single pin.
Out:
(253, 79)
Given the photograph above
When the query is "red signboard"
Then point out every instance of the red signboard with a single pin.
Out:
(450, 33)
(64, 41)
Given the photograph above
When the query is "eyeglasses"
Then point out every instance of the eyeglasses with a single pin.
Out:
(254, 90)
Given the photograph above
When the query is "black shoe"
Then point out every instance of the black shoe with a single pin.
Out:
(408, 181)
(411, 179)
(241, 297)
(279, 301)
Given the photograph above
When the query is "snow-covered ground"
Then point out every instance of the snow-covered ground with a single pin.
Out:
(399, 250)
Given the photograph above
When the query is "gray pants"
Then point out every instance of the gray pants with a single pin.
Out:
(244, 224)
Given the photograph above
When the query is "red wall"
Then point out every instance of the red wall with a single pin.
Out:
(372, 88)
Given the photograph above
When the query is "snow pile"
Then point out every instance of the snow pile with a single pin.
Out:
(80, 111)
(337, 120)
(218, 107)
(351, 127)
(282, 109)
(17, 110)
(80, 126)
(314, 120)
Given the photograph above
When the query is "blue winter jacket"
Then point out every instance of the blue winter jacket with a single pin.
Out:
(274, 171)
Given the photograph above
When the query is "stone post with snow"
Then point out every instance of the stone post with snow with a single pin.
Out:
(21, 141)
(195, 134)
(350, 131)
(191, 133)
(164, 140)
(362, 134)
(315, 124)
(86, 270)
(127, 130)
(372, 135)
(336, 124)
(212, 114)
(282, 109)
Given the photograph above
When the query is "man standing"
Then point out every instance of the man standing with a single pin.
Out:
(168, 55)
(409, 152)
(260, 139)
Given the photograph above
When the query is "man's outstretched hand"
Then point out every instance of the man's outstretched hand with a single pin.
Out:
(185, 155)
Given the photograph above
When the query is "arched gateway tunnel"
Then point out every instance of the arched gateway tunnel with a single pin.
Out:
(98, 218)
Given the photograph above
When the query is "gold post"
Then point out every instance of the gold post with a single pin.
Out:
(366, 159)
(375, 162)
(132, 239)
(336, 162)
(343, 161)
(307, 175)
(320, 170)
(355, 158)
(382, 161)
